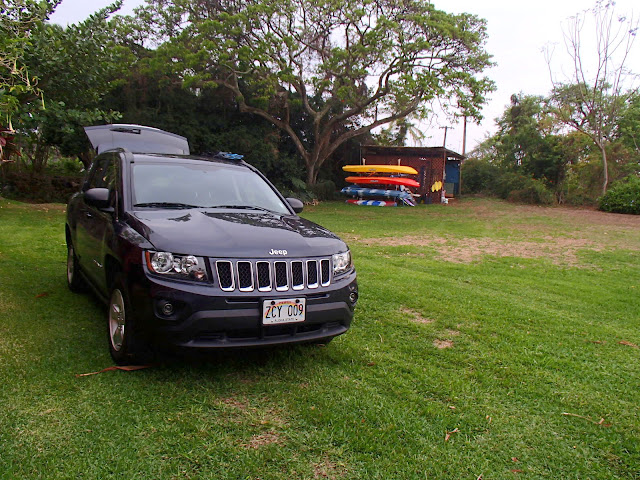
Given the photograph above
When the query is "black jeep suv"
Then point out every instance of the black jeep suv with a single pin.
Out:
(200, 252)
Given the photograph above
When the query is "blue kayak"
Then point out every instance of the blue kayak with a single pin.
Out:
(375, 192)
(373, 203)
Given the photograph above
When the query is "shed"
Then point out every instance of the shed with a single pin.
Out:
(434, 164)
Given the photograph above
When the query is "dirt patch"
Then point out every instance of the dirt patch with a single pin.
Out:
(580, 215)
(415, 316)
(263, 439)
(442, 344)
(560, 251)
(236, 403)
(328, 469)
(467, 250)
(556, 233)
(491, 209)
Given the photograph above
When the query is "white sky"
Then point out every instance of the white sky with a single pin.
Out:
(518, 31)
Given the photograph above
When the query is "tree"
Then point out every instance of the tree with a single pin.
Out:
(524, 148)
(396, 133)
(349, 67)
(75, 67)
(17, 84)
(629, 125)
(591, 103)
(18, 18)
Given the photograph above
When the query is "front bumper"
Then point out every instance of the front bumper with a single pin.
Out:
(203, 317)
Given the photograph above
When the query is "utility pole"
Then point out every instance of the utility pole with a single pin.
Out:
(464, 138)
(444, 142)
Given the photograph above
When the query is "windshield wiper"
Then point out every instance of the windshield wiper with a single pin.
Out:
(166, 205)
(242, 207)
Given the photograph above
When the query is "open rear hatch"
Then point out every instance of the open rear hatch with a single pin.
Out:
(137, 139)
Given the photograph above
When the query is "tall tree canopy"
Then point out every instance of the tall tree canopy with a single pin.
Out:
(525, 142)
(347, 67)
(18, 18)
(592, 99)
(75, 66)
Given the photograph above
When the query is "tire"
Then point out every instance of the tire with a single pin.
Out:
(75, 282)
(125, 345)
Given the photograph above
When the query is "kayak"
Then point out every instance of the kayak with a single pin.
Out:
(375, 192)
(407, 182)
(380, 169)
(373, 203)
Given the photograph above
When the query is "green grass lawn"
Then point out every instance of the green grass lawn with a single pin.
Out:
(490, 341)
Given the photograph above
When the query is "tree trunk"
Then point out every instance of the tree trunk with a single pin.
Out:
(40, 156)
(605, 167)
(312, 174)
(86, 159)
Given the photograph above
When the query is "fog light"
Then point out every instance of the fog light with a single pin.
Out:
(167, 309)
(353, 296)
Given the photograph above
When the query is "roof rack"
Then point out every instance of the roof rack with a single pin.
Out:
(228, 156)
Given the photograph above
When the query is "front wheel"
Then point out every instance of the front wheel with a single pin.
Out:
(125, 346)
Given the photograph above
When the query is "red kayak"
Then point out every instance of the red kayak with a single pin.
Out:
(407, 182)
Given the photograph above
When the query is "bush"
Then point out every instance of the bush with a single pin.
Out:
(29, 187)
(508, 182)
(325, 190)
(300, 191)
(479, 176)
(622, 197)
(66, 167)
(520, 188)
(534, 192)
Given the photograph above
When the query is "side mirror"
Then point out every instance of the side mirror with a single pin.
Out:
(296, 204)
(97, 197)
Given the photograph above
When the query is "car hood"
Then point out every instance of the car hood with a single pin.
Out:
(233, 234)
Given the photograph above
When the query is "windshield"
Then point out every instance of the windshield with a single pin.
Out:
(202, 185)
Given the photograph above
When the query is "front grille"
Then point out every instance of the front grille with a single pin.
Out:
(264, 276)
(269, 275)
(312, 274)
(225, 276)
(297, 278)
(282, 280)
(245, 276)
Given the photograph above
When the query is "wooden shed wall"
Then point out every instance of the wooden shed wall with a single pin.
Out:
(430, 170)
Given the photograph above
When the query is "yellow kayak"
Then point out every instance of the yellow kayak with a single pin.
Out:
(380, 168)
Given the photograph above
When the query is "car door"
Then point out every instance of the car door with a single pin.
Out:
(94, 225)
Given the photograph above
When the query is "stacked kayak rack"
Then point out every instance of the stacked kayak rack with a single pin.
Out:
(380, 185)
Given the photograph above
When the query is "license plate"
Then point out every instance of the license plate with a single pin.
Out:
(283, 310)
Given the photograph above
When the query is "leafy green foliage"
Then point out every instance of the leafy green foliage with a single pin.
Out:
(349, 66)
(628, 126)
(622, 197)
(325, 190)
(525, 143)
(522, 189)
(211, 122)
(532, 158)
(75, 67)
(484, 177)
(18, 83)
(593, 99)
(480, 175)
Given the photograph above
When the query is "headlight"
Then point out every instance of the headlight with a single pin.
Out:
(341, 262)
(183, 267)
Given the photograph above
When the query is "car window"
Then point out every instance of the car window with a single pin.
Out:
(103, 174)
(202, 184)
